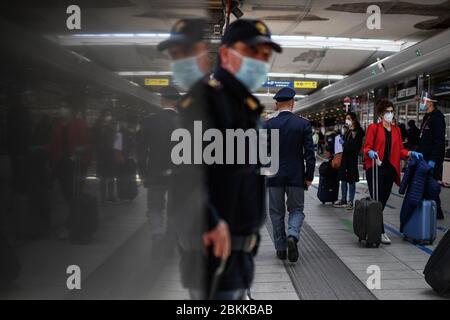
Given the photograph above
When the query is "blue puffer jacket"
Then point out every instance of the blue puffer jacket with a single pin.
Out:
(414, 181)
(418, 184)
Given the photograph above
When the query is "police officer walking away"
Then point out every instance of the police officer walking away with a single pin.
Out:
(154, 162)
(235, 192)
(296, 149)
(432, 140)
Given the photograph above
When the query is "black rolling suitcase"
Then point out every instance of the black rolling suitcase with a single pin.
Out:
(437, 269)
(328, 190)
(127, 188)
(84, 213)
(368, 216)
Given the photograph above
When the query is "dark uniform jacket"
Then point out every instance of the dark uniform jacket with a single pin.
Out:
(432, 140)
(295, 147)
(232, 192)
(154, 146)
(353, 140)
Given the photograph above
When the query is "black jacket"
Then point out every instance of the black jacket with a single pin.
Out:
(154, 146)
(413, 138)
(232, 192)
(353, 140)
(432, 140)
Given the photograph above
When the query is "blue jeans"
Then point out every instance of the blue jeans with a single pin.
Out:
(277, 207)
(352, 191)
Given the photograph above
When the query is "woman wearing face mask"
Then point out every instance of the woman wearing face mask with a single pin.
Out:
(384, 144)
(348, 171)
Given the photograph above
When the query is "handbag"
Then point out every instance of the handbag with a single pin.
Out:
(336, 162)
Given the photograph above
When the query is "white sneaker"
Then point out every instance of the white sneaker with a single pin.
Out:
(385, 239)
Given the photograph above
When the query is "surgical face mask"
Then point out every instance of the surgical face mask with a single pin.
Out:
(423, 105)
(388, 116)
(186, 71)
(348, 122)
(253, 72)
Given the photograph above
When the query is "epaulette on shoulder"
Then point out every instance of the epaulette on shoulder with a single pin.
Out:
(186, 101)
(212, 82)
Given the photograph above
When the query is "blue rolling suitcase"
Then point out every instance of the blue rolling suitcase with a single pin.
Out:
(421, 226)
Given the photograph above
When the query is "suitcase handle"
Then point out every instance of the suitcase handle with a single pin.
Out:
(375, 190)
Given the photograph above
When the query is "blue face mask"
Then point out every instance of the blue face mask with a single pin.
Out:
(253, 72)
(422, 106)
(186, 72)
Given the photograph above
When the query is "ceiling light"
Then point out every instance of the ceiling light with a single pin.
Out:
(307, 42)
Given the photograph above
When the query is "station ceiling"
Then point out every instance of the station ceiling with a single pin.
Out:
(402, 22)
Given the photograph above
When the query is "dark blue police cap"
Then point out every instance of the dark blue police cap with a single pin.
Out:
(284, 94)
(249, 31)
(170, 93)
(185, 32)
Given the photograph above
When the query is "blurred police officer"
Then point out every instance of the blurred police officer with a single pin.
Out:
(296, 147)
(235, 192)
(154, 160)
(189, 54)
(432, 139)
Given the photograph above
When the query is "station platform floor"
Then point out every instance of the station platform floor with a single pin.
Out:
(332, 264)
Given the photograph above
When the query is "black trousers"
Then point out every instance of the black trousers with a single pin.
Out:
(437, 174)
(65, 171)
(386, 179)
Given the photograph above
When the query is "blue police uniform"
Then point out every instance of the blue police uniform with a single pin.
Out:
(295, 150)
(232, 192)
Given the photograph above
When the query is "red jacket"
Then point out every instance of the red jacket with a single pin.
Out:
(375, 140)
(77, 136)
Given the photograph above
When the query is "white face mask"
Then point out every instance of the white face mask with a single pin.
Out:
(348, 122)
(388, 117)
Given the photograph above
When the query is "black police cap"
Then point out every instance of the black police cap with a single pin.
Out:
(170, 93)
(284, 94)
(185, 32)
(249, 31)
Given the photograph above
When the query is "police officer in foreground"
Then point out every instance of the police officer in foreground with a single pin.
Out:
(188, 51)
(432, 140)
(235, 192)
(296, 149)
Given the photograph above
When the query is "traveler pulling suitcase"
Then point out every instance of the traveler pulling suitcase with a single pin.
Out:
(437, 269)
(421, 226)
(84, 213)
(368, 216)
(127, 188)
(328, 190)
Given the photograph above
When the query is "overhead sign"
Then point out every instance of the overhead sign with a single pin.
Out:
(305, 84)
(277, 84)
(407, 92)
(156, 82)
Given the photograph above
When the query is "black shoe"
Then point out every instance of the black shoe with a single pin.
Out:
(282, 254)
(292, 249)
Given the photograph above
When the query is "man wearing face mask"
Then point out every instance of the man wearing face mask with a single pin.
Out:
(188, 51)
(189, 54)
(235, 192)
(432, 140)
